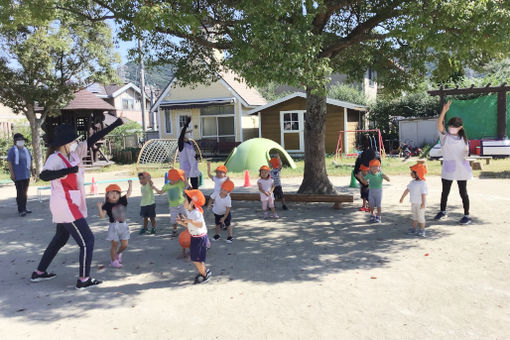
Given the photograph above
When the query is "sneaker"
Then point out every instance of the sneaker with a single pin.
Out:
(153, 230)
(367, 209)
(421, 233)
(284, 207)
(143, 231)
(465, 220)
(203, 279)
(28, 211)
(372, 218)
(266, 215)
(90, 282)
(229, 239)
(362, 209)
(378, 219)
(411, 231)
(440, 215)
(216, 237)
(42, 277)
(23, 213)
(275, 216)
(115, 264)
(119, 257)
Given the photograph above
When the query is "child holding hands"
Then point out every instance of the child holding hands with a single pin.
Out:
(266, 187)
(417, 190)
(374, 180)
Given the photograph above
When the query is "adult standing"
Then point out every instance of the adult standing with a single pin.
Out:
(19, 161)
(455, 149)
(188, 156)
(64, 168)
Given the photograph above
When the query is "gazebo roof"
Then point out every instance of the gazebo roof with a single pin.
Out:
(85, 100)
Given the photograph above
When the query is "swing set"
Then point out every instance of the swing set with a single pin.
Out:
(376, 142)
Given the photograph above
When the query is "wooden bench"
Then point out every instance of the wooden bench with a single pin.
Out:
(474, 159)
(336, 199)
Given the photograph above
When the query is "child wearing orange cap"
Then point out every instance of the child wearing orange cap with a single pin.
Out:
(221, 205)
(118, 231)
(363, 189)
(276, 168)
(175, 191)
(417, 190)
(194, 221)
(266, 188)
(147, 203)
(218, 179)
(374, 179)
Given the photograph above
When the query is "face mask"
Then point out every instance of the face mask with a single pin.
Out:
(20, 143)
(453, 130)
(73, 147)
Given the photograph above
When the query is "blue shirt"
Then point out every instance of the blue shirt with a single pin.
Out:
(21, 170)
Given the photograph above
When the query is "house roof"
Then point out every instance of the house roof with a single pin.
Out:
(86, 100)
(112, 90)
(329, 101)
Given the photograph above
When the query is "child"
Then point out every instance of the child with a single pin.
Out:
(219, 179)
(276, 164)
(266, 187)
(374, 180)
(196, 226)
(221, 208)
(118, 230)
(417, 190)
(147, 204)
(363, 189)
(175, 190)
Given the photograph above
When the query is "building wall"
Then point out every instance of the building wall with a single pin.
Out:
(195, 123)
(136, 113)
(200, 91)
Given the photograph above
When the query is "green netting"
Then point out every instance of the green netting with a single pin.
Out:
(479, 116)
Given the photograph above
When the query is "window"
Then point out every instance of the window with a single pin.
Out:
(128, 104)
(182, 121)
(217, 110)
(291, 121)
(217, 122)
(168, 121)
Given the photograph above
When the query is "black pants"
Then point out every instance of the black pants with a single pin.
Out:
(447, 184)
(21, 194)
(82, 234)
(194, 182)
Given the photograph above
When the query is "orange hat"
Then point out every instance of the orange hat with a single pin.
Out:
(228, 185)
(222, 168)
(275, 163)
(264, 167)
(374, 162)
(176, 175)
(146, 174)
(197, 197)
(113, 187)
(364, 167)
(420, 169)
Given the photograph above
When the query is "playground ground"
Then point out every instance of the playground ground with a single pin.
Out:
(315, 273)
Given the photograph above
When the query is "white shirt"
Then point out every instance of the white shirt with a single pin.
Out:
(221, 203)
(416, 189)
(217, 184)
(266, 185)
(196, 215)
(455, 151)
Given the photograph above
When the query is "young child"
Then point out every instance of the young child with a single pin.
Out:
(195, 223)
(118, 231)
(417, 190)
(221, 205)
(219, 179)
(147, 204)
(374, 180)
(363, 189)
(266, 187)
(276, 165)
(175, 190)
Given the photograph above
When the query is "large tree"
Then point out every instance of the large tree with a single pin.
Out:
(45, 56)
(301, 42)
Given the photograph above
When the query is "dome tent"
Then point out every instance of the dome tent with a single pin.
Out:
(253, 153)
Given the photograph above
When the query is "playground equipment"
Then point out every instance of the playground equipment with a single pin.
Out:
(254, 153)
(161, 152)
(376, 142)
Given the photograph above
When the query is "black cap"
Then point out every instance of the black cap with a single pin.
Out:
(19, 136)
(63, 134)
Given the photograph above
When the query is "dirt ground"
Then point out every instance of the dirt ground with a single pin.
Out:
(315, 273)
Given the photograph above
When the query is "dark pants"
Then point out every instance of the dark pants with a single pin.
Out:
(82, 234)
(21, 194)
(447, 184)
(194, 182)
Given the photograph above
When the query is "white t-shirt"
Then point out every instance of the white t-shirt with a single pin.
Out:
(196, 215)
(217, 184)
(416, 189)
(266, 185)
(221, 203)
(275, 175)
(455, 151)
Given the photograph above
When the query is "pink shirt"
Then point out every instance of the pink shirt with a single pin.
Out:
(266, 185)
(67, 205)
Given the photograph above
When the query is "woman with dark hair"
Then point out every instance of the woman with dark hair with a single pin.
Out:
(188, 156)
(64, 168)
(455, 148)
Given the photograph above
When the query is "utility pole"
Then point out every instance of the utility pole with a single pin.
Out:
(142, 86)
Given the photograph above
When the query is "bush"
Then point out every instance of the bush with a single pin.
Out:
(348, 94)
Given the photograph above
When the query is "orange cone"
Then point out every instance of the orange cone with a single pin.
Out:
(93, 187)
(246, 179)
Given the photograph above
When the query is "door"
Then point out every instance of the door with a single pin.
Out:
(292, 130)
(180, 120)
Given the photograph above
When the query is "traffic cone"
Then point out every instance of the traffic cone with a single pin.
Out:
(246, 179)
(93, 187)
(354, 182)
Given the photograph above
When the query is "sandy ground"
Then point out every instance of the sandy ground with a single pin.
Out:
(315, 273)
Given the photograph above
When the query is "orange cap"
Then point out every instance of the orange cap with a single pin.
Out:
(146, 174)
(420, 169)
(113, 187)
(197, 197)
(374, 162)
(176, 175)
(222, 168)
(228, 185)
(275, 163)
(264, 167)
(364, 167)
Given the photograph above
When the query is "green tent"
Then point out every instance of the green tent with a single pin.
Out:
(254, 153)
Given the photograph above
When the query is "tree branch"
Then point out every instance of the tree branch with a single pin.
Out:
(321, 19)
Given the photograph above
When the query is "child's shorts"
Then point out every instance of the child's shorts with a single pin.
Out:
(375, 197)
(278, 192)
(148, 210)
(175, 211)
(198, 248)
(118, 231)
(418, 213)
(363, 190)
(227, 219)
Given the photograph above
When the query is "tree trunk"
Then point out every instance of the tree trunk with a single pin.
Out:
(315, 179)
(35, 127)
